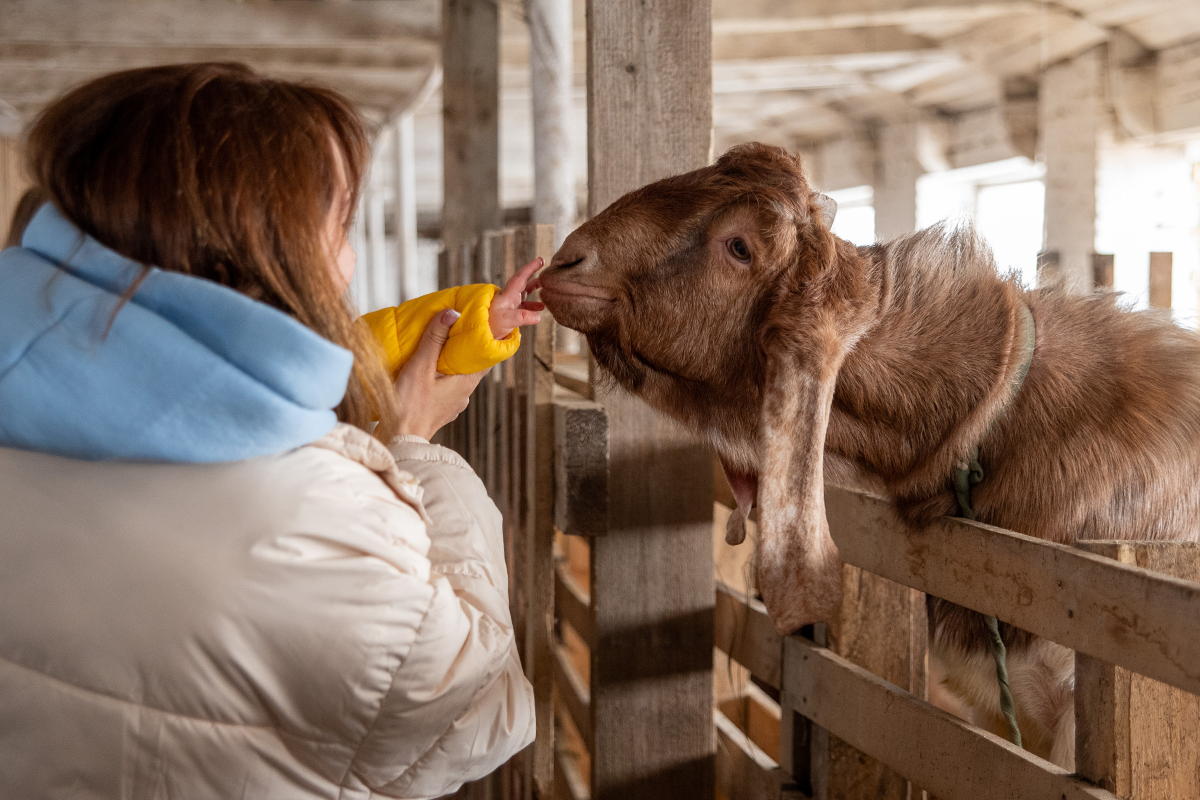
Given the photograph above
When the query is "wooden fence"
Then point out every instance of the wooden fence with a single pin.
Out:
(845, 731)
(506, 434)
(839, 712)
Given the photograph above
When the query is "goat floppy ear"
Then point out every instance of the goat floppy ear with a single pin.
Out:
(799, 572)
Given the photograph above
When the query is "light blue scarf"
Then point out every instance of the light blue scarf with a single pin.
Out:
(191, 371)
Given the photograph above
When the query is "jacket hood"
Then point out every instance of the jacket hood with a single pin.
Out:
(190, 371)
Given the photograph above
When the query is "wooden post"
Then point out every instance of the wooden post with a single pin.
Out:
(1069, 114)
(470, 120)
(530, 242)
(1134, 736)
(552, 82)
(1102, 271)
(896, 173)
(1048, 273)
(650, 116)
(1160, 280)
(881, 628)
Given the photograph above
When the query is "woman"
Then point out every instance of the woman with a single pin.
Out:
(214, 581)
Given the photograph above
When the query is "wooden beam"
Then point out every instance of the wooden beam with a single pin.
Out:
(574, 694)
(832, 42)
(943, 754)
(1103, 271)
(573, 604)
(1126, 615)
(743, 631)
(470, 119)
(1161, 266)
(1177, 102)
(580, 467)
(529, 242)
(744, 771)
(283, 23)
(1135, 736)
(756, 16)
(650, 116)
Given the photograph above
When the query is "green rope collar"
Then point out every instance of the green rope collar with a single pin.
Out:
(970, 473)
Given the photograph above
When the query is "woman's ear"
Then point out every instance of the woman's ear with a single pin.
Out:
(799, 572)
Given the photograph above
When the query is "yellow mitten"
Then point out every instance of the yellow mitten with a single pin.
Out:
(470, 348)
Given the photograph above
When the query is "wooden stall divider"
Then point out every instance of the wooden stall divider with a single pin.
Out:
(1161, 265)
(1102, 271)
(1135, 736)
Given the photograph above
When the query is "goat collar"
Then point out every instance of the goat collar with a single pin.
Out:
(969, 471)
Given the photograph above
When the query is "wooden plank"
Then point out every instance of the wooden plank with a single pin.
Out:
(580, 467)
(470, 119)
(569, 784)
(649, 92)
(572, 604)
(1124, 614)
(1160, 280)
(743, 770)
(874, 629)
(1135, 736)
(945, 755)
(531, 241)
(574, 693)
(574, 377)
(1103, 265)
(743, 631)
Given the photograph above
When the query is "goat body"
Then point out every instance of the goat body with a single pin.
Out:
(721, 298)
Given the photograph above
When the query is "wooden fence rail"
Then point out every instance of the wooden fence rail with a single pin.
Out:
(1117, 614)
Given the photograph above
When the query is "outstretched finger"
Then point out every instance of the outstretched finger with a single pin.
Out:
(533, 305)
(518, 283)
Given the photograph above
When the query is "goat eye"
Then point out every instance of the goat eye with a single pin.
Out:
(739, 249)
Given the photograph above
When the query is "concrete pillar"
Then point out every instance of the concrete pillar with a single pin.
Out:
(405, 207)
(551, 65)
(1069, 108)
(897, 168)
(380, 273)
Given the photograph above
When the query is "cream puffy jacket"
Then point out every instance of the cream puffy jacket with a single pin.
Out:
(330, 622)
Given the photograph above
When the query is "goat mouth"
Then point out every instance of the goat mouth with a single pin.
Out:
(571, 290)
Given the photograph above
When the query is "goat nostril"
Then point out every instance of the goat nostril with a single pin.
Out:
(570, 264)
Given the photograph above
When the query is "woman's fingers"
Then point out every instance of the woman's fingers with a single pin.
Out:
(437, 333)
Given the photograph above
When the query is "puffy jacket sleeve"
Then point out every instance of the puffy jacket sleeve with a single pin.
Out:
(462, 683)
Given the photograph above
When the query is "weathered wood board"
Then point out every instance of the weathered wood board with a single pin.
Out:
(1120, 613)
(1135, 736)
(945, 755)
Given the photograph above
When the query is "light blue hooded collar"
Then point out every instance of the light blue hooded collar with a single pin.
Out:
(190, 371)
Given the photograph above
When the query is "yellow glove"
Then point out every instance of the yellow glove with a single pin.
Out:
(471, 347)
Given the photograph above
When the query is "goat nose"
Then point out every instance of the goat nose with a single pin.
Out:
(566, 259)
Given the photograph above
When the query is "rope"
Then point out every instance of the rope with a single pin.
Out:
(970, 473)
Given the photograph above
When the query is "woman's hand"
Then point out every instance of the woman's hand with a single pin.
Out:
(426, 399)
(510, 309)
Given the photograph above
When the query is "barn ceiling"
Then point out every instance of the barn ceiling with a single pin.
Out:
(784, 71)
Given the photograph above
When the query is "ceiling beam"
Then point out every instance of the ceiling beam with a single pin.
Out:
(294, 23)
(771, 16)
(838, 42)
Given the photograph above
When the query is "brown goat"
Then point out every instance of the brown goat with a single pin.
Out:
(721, 298)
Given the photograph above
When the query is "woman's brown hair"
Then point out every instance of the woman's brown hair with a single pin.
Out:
(215, 171)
